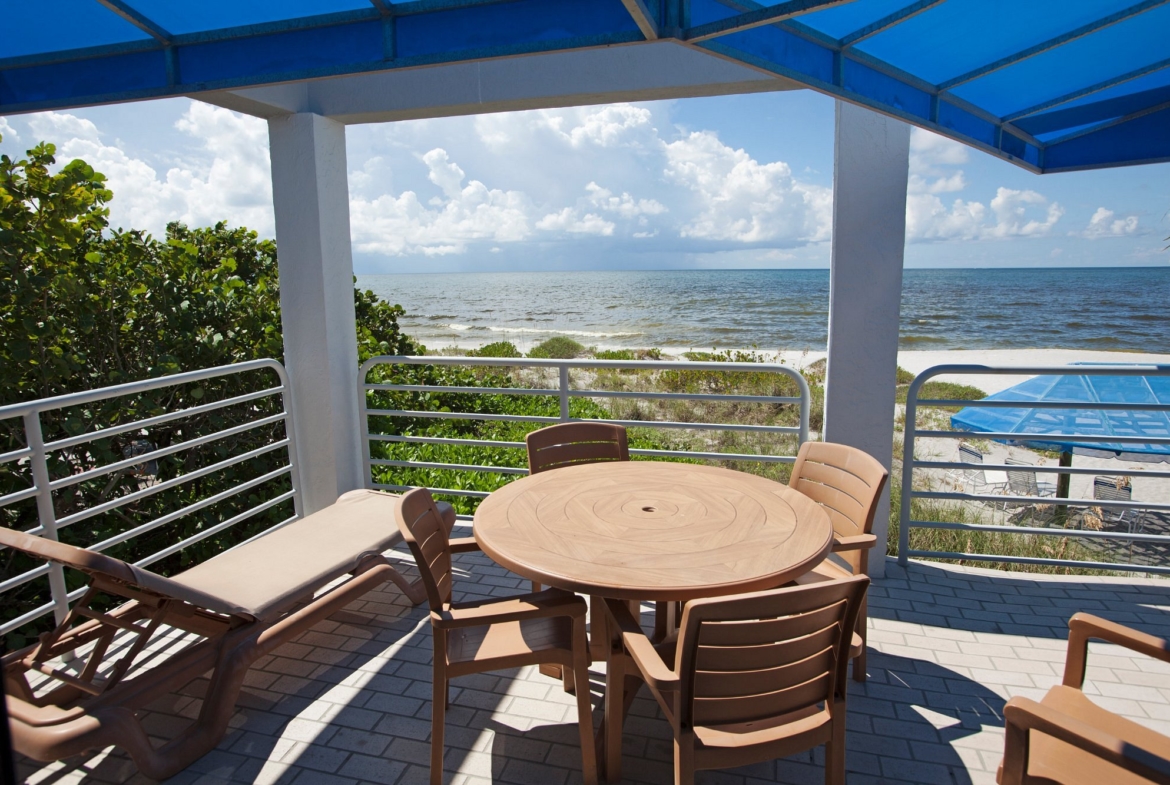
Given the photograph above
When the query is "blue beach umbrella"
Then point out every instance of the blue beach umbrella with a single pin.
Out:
(1044, 428)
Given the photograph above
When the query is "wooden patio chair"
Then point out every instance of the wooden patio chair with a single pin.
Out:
(1067, 738)
(233, 608)
(489, 635)
(570, 444)
(847, 483)
(750, 678)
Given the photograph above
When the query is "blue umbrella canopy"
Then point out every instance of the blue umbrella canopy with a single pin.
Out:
(1058, 429)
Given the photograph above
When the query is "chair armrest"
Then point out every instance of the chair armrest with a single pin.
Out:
(463, 545)
(1083, 626)
(656, 673)
(1022, 715)
(855, 543)
(541, 605)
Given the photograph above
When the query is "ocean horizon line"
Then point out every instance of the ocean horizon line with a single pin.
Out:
(989, 268)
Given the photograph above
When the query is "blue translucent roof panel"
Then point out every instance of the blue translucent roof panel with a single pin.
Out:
(1058, 428)
(1116, 51)
(927, 45)
(1051, 85)
(60, 25)
(840, 20)
(193, 17)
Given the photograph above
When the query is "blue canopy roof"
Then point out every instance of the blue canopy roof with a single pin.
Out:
(1051, 85)
(1043, 427)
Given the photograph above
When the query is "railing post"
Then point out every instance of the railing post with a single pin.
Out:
(908, 469)
(45, 512)
(364, 428)
(564, 375)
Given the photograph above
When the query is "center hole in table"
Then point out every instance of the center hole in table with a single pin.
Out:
(649, 509)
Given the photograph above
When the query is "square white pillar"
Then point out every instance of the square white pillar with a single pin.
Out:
(872, 157)
(310, 193)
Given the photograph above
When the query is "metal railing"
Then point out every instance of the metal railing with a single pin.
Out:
(564, 392)
(140, 460)
(910, 463)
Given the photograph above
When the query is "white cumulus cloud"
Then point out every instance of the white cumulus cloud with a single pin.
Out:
(1103, 223)
(739, 199)
(7, 131)
(1010, 213)
(570, 220)
(402, 224)
(229, 180)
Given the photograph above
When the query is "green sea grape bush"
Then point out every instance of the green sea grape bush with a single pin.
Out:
(83, 306)
(558, 347)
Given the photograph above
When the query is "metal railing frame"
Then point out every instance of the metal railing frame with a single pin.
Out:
(910, 463)
(564, 393)
(36, 452)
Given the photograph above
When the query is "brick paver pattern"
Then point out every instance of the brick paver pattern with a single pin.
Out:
(349, 701)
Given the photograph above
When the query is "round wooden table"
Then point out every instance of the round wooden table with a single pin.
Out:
(639, 530)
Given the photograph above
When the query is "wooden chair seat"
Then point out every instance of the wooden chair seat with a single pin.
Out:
(1068, 739)
(1054, 761)
(519, 642)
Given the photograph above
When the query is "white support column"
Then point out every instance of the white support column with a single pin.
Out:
(865, 289)
(311, 195)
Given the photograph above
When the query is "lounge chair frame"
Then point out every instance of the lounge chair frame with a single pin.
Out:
(94, 703)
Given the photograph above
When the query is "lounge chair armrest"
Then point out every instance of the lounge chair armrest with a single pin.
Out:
(540, 605)
(656, 673)
(1083, 626)
(464, 545)
(1022, 715)
(855, 543)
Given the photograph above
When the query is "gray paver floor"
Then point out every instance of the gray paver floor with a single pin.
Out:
(349, 701)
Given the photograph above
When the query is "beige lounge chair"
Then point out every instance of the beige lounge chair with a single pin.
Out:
(474, 637)
(847, 483)
(751, 677)
(1067, 738)
(237, 606)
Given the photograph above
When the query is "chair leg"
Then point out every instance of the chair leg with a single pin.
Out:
(614, 709)
(684, 761)
(863, 630)
(438, 718)
(568, 679)
(584, 714)
(835, 748)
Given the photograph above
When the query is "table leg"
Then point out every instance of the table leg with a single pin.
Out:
(598, 637)
(611, 724)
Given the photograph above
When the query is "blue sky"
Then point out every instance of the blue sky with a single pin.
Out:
(736, 181)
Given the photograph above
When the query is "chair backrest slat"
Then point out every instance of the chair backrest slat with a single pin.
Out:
(422, 528)
(574, 443)
(969, 454)
(755, 656)
(844, 480)
(1110, 489)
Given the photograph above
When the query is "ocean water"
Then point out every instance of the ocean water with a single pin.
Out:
(1073, 308)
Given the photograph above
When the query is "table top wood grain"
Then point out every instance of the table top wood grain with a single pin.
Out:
(641, 530)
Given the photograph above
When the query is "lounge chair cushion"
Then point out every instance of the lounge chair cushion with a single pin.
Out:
(266, 576)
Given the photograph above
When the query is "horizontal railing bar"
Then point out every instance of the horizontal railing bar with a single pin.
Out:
(150, 422)
(1075, 405)
(716, 456)
(216, 529)
(583, 393)
(18, 496)
(1038, 468)
(1104, 369)
(682, 396)
(460, 416)
(470, 390)
(386, 437)
(190, 508)
(15, 455)
(1084, 565)
(1085, 533)
(1059, 501)
(698, 426)
(168, 484)
(24, 577)
(37, 613)
(138, 460)
(1135, 440)
(465, 467)
(144, 385)
(528, 362)
(443, 491)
